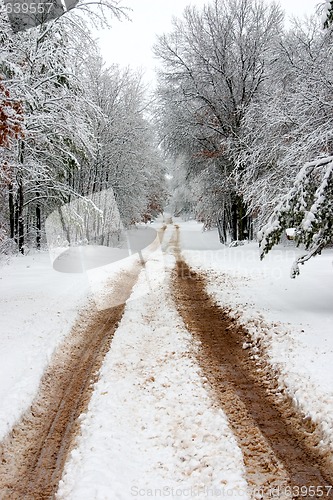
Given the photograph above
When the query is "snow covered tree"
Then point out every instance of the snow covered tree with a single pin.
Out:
(37, 70)
(290, 122)
(126, 158)
(293, 126)
(11, 118)
(39, 67)
(327, 9)
(11, 130)
(214, 63)
(307, 207)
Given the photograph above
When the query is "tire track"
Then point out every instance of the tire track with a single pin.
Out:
(278, 461)
(33, 455)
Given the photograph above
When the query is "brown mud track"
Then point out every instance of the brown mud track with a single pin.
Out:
(32, 456)
(280, 456)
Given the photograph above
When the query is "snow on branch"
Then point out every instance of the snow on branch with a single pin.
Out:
(11, 117)
(308, 207)
(327, 13)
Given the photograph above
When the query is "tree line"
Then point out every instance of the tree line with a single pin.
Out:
(71, 127)
(245, 111)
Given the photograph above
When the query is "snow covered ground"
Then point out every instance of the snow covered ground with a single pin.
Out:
(151, 424)
(38, 307)
(151, 429)
(291, 318)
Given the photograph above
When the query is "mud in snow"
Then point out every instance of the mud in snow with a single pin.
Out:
(32, 456)
(279, 448)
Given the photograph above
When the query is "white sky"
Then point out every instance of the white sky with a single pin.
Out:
(130, 43)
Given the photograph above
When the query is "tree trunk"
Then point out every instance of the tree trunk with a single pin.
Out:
(16, 218)
(240, 221)
(38, 224)
(20, 218)
(234, 220)
(11, 211)
(251, 235)
(221, 227)
(20, 202)
(65, 225)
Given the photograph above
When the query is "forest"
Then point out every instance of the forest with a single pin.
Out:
(241, 120)
(71, 127)
(245, 111)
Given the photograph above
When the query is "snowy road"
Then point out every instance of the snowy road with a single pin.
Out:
(277, 453)
(34, 453)
(179, 407)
